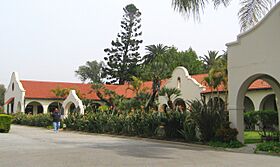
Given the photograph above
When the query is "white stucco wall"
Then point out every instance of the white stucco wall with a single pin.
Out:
(73, 98)
(255, 54)
(17, 93)
(189, 87)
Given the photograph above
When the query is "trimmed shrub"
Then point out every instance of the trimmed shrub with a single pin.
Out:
(40, 120)
(5, 123)
(136, 123)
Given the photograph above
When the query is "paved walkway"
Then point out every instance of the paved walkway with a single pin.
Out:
(38, 147)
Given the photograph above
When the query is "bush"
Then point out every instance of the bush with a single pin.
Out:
(40, 120)
(189, 129)
(268, 123)
(272, 147)
(266, 120)
(226, 134)
(1, 110)
(250, 120)
(173, 123)
(230, 144)
(5, 123)
(136, 123)
(208, 118)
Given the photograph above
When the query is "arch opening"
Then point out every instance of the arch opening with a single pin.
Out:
(54, 105)
(269, 103)
(34, 107)
(180, 105)
(71, 108)
(217, 101)
(251, 85)
(248, 104)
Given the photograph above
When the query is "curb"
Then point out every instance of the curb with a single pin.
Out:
(158, 141)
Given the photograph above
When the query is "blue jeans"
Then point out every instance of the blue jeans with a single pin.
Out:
(56, 126)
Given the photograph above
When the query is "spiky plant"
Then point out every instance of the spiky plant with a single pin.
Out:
(170, 92)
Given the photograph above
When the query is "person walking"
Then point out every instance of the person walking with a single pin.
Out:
(56, 119)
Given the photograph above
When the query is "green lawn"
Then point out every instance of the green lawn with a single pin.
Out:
(252, 137)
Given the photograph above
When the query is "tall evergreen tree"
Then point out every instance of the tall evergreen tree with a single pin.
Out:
(123, 56)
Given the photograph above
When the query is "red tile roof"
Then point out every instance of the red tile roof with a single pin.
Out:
(42, 89)
(258, 84)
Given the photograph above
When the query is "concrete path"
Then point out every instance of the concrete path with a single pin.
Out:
(38, 147)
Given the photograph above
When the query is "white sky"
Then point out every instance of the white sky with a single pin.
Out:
(50, 39)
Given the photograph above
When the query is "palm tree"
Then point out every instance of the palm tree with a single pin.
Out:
(170, 92)
(209, 82)
(250, 13)
(219, 71)
(91, 71)
(156, 71)
(154, 51)
(136, 85)
(210, 59)
(60, 93)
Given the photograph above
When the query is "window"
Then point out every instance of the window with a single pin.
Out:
(178, 82)
(13, 87)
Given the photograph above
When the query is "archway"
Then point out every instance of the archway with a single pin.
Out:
(54, 105)
(269, 103)
(241, 98)
(248, 104)
(34, 107)
(217, 100)
(180, 105)
(71, 108)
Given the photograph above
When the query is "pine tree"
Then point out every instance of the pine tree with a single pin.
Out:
(123, 57)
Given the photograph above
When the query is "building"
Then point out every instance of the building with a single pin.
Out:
(37, 97)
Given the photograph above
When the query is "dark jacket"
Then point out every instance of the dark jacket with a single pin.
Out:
(56, 116)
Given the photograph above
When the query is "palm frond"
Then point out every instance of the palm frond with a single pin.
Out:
(219, 2)
(252, 11)
(195, 7)
(188, 7)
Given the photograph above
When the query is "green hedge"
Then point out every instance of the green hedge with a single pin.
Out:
(5, 123)
(135, 123)
(40, 120)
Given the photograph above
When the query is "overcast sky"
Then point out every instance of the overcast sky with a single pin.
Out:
(49, 39)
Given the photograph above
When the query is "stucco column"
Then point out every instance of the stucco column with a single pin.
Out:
(278, 109)
(45, 109)
(237, 121)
